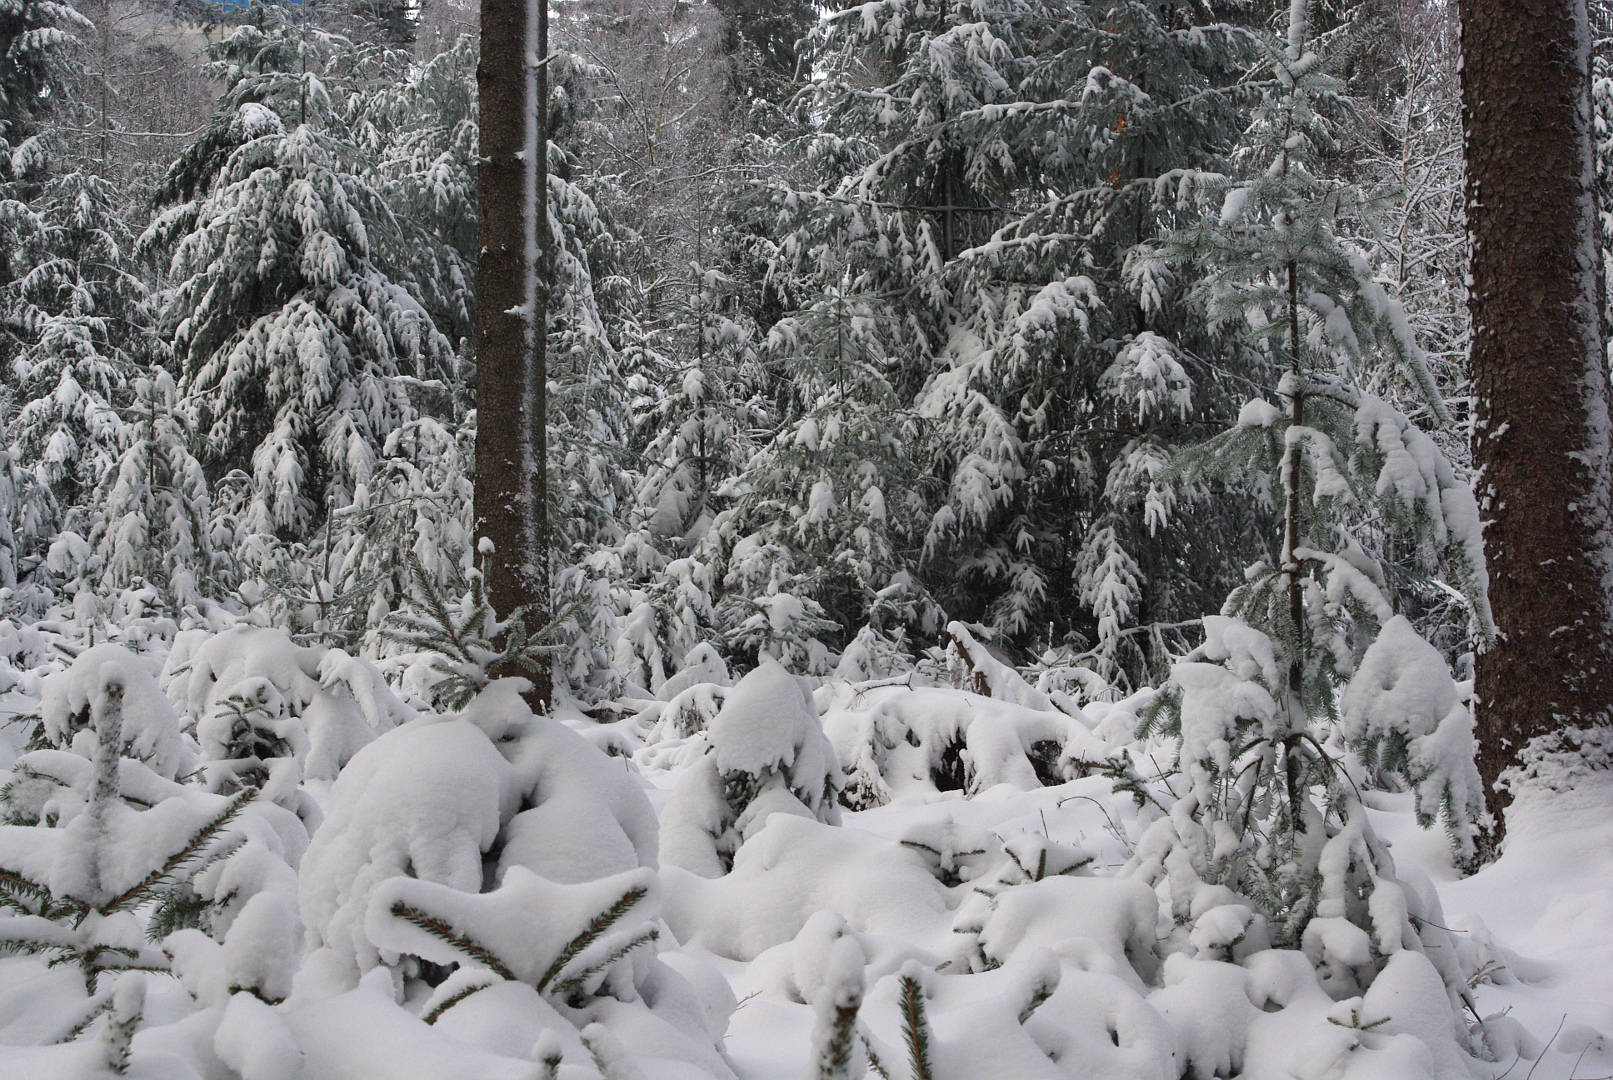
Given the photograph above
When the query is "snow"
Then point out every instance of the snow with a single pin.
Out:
(584, 815)
(765, 753)
(340, 702)
(1031, 956)
(500, 923)
(427, 798)
(1258, 413)
(1403, 690)
(150, 727)
(794, 868)
(789, 814)
(396, 1043)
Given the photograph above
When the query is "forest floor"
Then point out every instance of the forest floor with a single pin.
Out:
(1083, 976)
(1547, 903)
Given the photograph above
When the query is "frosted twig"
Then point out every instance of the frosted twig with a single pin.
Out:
(1542, 1056)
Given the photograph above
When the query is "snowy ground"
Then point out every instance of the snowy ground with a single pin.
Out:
(1015, 914)
(768, 1039)
(1549, 900)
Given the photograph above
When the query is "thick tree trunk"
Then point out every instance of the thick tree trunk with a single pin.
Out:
(510, 502)
(1541, 432)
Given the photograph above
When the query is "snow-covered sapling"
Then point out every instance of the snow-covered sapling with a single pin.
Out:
(72, 891)
(245, 734)
(768, 754)
(836, 1045)
(470, 641)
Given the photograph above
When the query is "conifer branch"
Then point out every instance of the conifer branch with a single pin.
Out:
(873, 1057)
(126, 1010)
(590, 934)
(97, 1007)
(466, 944)
(571, 982)
(434, 602)
(1039, 996)
(916, 1028)
(197, 841)
(17, 882)
(452, 1000)
(550, 1063)
(834, 1055)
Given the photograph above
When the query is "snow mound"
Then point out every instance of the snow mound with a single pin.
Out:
(151, 731)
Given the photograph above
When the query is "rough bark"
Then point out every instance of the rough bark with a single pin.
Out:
(1541, 430)
(510, 488)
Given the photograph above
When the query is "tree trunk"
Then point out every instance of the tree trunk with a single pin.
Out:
(1541, 429)
(510, 312)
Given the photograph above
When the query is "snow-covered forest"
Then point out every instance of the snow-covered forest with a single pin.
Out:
(992, 549)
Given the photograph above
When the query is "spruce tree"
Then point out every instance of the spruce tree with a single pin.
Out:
(290, 335)
(1256, 705)
(80, 311)
(986, 195)
(836, 490)
(155, 525)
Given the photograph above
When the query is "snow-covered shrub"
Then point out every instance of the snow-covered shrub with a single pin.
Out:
(151, 731)
(874, 655)
(670, 725)
(1269, 820)
(326, 705)
(953, 853)
(794, 868)
(665, 623)
(838, 1052)
(972, 667)
(899, 739)
(246, 735)
(112, 834)
(1407, 716)
(447, 836)
(585, 945)
(1109, 923)
(463, 642)
(457, 800)
(768, 610)
(766, 754)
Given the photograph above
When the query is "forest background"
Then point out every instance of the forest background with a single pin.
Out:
(858, 325)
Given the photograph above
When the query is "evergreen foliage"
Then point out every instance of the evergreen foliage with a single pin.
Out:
(34, 35)
(890, 346)
(78, 317)
(289, 334)
(157, 522)
(1254, 707)
(78, 909)
(915, 1025)
(467, 640)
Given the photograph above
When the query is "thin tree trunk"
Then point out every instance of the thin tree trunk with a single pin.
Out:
(510, 459)
(1541, 430)
(538, 380)
(1292, 467)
